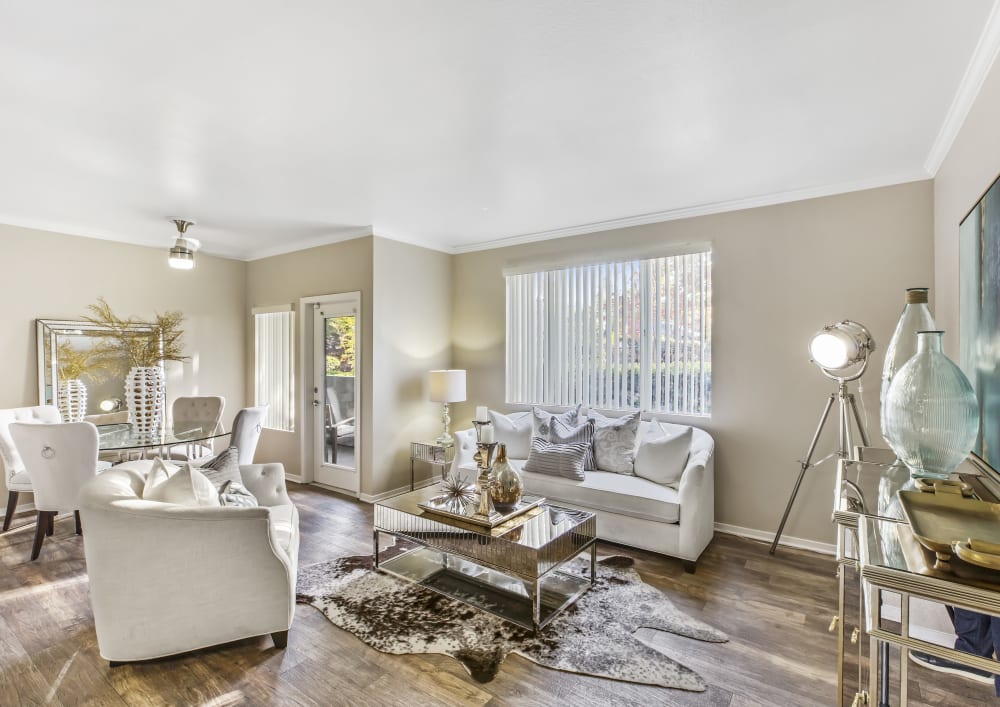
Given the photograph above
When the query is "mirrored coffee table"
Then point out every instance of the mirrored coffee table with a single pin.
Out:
(514, 570)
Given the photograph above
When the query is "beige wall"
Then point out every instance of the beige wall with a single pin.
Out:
(969, 168)
(412, 300)
(779, 274)
(283, 279)
(54, 276)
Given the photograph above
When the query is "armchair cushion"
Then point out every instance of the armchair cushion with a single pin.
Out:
(222, 468)
(185, 487)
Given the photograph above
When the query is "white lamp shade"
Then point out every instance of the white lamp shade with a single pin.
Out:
(446, 386)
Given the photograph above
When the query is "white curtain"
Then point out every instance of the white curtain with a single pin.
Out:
(274, 356)
(624, 335)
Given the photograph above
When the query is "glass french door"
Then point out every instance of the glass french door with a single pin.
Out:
(336, 393)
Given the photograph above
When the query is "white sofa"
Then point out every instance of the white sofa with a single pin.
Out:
(630, 510)
(167, 579)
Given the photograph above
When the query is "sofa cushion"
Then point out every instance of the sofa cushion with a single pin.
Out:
(561, 433)
(234, 493)
(159, 472)
(514, 431)
(662, 459)
(614, 441)
(607, 491)
(558, 459)
(541, 420)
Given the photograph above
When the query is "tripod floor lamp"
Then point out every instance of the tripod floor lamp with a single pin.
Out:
(841, 352)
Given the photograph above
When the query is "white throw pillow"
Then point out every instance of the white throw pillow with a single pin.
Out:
(662, 459)
(541, 421)
(614, 442)
(186, 487)
(158, 474)
(515, 432)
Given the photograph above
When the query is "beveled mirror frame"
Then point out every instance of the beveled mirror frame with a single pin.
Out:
(48, 333)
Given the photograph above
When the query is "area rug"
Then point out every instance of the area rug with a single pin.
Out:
(594, 636)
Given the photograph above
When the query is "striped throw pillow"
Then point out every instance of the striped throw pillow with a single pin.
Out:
(557, 459)
(562, 433)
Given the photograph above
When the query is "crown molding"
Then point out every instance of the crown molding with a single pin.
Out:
(718, 207)
(968, 90)
(347, 234)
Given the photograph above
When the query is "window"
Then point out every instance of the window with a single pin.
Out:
(627, 335)
(274, 356)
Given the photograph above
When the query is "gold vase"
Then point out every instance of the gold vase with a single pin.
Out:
(507, 487)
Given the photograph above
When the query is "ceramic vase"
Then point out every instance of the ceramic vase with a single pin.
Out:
(931, 411)
(145, 397)
(916, 317)
(72, 396)
(507, 487)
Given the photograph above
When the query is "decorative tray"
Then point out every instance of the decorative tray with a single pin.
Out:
(464, 509)
(940, 519)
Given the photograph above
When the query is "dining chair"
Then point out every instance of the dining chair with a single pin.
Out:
(59, 458)
(16, 477)
(246, 432)
(195, 411)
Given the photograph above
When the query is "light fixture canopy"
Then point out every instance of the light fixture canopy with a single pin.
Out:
(182, 254)
(838, 347)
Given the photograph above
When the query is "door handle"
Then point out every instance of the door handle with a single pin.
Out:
(315, 403)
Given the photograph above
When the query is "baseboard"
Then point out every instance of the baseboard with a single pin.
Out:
(372, 498)
(296, 478)
(768, 537)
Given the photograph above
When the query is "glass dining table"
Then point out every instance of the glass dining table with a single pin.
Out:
(126, 439)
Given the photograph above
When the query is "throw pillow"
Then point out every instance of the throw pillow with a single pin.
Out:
(158, 473)
(225, 467)
(614, 442)
(541, 421)
(234, 493)
(556, 459)
(561, 433)
(515, 432)
(186, 487)
(662, 459)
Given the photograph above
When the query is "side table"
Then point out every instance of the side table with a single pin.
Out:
(431, 453)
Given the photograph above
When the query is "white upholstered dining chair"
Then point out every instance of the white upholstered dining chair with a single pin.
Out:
(247, 427)
(59, 458)
(188, 412)
(15, 476)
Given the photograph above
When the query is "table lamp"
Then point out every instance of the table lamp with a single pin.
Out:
(446, 387)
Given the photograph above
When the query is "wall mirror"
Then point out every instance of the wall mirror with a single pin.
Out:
(74, 376)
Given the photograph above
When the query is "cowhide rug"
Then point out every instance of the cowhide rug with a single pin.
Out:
(593, 636)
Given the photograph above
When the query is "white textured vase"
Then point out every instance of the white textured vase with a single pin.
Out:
(72, 398)
(145, 397)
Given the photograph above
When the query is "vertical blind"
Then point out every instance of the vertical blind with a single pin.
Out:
(274, 356)
(625, 335)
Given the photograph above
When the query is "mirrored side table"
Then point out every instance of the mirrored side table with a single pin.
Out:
(431, 453)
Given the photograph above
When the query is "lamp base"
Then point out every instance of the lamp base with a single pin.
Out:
(445, 440)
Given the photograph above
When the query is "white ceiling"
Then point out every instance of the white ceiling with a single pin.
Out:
(460, 123)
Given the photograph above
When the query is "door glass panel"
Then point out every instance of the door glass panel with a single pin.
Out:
(339, 390)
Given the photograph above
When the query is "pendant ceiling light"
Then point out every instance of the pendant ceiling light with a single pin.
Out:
(182, 254)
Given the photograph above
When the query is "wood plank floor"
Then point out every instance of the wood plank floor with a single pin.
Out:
(775, 609)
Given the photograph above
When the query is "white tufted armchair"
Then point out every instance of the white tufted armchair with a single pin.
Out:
(167, 579)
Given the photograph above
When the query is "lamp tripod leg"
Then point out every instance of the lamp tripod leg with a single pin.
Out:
(857, 419)
(806, 463)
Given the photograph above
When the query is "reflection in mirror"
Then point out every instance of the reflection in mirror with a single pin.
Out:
(73, 377)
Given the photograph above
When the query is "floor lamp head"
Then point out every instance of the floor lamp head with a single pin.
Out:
(841, 350)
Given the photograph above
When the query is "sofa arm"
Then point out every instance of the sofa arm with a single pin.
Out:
(697, 501)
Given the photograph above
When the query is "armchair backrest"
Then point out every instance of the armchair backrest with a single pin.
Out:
(59, 458)
(195, 410)
(246, 432)
(37, 414)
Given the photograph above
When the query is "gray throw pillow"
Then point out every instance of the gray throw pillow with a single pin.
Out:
(225, 467)
(234, 493)
(541, 421)
(556, 459)
(614, 442)
(561, 433)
